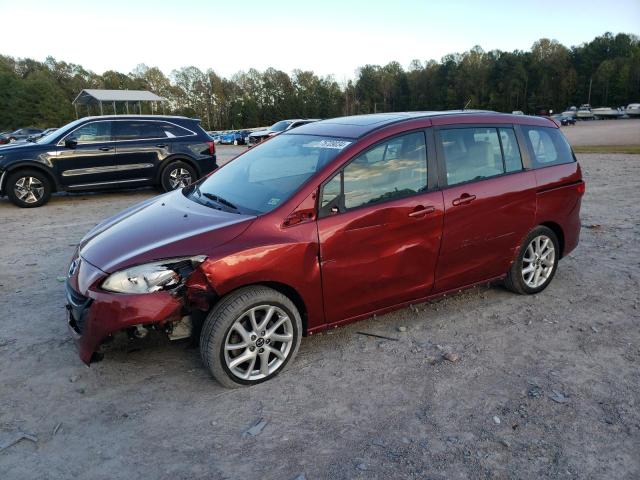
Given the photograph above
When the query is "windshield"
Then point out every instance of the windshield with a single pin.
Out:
(280, 126)
(266, 176)
(49, 137)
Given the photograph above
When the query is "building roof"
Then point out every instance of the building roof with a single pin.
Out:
(91, 95)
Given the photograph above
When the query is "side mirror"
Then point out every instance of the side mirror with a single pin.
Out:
(70, 142)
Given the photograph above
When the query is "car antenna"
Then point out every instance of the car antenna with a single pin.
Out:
(466, 104)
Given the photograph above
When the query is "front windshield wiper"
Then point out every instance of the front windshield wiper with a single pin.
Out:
(218, 199)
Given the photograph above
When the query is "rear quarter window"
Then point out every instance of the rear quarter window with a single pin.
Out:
(548, 146)
(170, 130)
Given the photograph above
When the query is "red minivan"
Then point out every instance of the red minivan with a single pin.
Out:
(326, 224)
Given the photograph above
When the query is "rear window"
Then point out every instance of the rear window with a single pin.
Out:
(548, 145)
(478, 153)
(141, 130)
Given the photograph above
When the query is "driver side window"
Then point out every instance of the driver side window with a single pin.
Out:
(92, 133)
(393, 169)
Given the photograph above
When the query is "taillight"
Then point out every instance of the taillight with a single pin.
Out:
(581, 188)
(212, 148)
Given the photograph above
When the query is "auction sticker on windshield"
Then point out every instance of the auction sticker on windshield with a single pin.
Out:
(336, 144)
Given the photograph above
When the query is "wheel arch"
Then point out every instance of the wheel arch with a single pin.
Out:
(176, 158)
(286, 290)
(557, 229)
(31, 166)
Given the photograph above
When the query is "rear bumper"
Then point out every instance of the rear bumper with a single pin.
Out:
(93, 314)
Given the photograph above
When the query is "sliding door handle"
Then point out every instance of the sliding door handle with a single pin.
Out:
(463, 199)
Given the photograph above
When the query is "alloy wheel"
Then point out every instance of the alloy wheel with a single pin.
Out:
(538, 261)
(258, 343)
(179, 178)
(29, 189)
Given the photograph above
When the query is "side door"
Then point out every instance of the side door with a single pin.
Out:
(141, 147)
(379, 228)
(86, 156)
(489, 201)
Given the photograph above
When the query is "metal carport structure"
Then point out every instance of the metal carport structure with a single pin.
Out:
(98, 97)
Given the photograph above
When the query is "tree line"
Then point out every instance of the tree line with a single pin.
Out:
(550, 76)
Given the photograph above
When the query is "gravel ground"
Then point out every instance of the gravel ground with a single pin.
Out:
(604, 132)
(544, 386)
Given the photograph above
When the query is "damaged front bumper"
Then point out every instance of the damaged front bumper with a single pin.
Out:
(95, 314)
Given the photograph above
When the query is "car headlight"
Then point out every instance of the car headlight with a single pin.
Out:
(152, 277)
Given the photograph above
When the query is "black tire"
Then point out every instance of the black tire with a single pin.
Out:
(218, 324)
(38, 188)
(515, 280)
(167, 178)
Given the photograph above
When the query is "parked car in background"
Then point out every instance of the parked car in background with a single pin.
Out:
(563, 120)
(232, 138)
(215, 136)
(33, 138)
(327, 224)
(243, 137)
(107, 152)
(47, 131)
(277, 128)
(20, 134)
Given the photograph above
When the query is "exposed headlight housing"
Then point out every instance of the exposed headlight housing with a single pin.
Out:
(152, 277)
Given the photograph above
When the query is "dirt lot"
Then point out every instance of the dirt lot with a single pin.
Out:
(546, 386)
(603, 132)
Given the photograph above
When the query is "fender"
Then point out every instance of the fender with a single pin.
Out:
(30, 164)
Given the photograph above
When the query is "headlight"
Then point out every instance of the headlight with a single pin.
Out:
(152, 277)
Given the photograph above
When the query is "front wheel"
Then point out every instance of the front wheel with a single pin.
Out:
(177, 175)
(536, 263)
(28, 188)
(250, 336)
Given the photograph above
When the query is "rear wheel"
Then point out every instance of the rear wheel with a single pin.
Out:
(28, 188)
(177, 174)
(250, 336)
(536, 264)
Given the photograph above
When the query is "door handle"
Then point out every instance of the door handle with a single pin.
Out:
(421, 211)
(161, 145)
(105, 149)
(463, 199)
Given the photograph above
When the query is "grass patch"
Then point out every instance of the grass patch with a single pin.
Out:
(607, 149)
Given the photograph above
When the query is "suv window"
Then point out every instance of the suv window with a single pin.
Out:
(393, 169)
(92, 132)
(138, 130)
(170, 130)
(548, 145)
(477, 153)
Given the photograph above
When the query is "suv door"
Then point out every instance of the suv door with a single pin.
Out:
(141, 147)
(379, 229)
(489, 202)
(90, 159)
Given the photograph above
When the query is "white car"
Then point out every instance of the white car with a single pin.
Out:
(277, 128)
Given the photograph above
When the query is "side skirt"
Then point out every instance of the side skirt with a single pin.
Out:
(398, 306)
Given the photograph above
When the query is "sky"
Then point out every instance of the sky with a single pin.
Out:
(326, 36)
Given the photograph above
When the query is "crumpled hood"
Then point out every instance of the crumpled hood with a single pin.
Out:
(165, 226)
